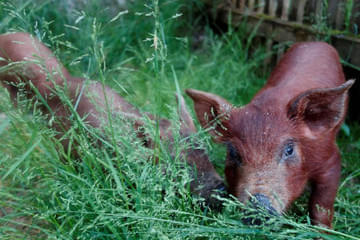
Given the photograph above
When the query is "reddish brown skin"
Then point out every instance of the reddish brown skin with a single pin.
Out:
(303, 104)
(22, 49)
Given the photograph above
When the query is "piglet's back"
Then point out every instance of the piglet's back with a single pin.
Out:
(305, 66)
(20, 47)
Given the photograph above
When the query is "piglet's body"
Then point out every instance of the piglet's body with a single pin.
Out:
(285, 136)
(27, 64)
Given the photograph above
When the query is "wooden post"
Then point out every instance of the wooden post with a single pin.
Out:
(333, 7)
(285, 10)
(340, 15)
(242, 5)
(261, 6)
(251, 5)
(273, 4)
(355, 17)
(300, 11)
(233, 4)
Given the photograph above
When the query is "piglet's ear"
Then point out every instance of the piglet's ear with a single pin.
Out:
(187, 123)
(212, 112)
(321, 109)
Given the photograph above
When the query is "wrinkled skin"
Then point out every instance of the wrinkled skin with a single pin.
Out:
(285, 137)
(25, 60)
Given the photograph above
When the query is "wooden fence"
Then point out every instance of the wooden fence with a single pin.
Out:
(298, 20)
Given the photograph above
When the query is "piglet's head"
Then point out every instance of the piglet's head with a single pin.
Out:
(274, 146)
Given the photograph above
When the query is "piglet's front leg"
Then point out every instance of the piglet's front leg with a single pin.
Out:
(324, 188)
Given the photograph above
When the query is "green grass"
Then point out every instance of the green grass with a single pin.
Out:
(115, 191)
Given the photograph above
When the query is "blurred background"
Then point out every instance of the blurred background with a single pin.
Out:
(146, 51)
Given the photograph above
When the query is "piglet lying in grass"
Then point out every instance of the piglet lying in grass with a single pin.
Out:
(24, 60)
(285, 137)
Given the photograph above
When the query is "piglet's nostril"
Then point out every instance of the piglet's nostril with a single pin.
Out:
(259, 204)
(259, 200)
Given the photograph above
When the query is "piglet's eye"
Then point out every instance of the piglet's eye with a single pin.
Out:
(288, 151)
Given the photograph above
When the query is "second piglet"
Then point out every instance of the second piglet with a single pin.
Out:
(27, 64)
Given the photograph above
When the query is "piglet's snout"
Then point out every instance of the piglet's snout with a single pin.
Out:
(260, 209)
(262, 202)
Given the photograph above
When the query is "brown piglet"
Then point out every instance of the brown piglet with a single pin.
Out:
(285, 137)
(28, 64)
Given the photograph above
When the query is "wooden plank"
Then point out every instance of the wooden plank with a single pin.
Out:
(300, 11)
(233, 4)
(355, 18)
(310, 8)
(242, 5)
(285, 10)
(348, 49)
(273, 4)
(261, 7)
(334, 7)
(340, 15)
(251, 5)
